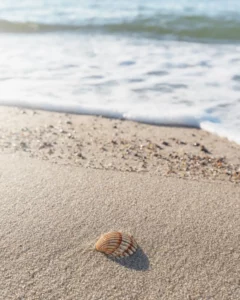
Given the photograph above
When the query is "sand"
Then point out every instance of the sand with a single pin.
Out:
(52, 211)
(99, 143)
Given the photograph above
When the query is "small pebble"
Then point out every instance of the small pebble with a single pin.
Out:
(205, 150)
(62, 131)
(196, 144)
(81, 156)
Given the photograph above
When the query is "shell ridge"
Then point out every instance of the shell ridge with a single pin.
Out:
(130, 246)
(119, 242)
(116, 244)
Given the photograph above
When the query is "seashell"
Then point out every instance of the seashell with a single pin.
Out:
(117, 244)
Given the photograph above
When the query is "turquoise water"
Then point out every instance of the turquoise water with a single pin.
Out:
(151, 61)
(213, 20)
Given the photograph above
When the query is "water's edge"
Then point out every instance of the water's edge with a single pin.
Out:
(185, 120)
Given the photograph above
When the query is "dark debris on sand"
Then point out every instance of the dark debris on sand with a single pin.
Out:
(107, 144)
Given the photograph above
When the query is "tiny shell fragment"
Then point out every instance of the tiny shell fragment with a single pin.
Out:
(117, 244)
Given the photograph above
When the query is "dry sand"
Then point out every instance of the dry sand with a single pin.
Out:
(52, 210)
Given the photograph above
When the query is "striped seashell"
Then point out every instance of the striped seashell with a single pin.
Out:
(117, 244)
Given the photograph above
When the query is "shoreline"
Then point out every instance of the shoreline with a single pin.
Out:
(121, 145)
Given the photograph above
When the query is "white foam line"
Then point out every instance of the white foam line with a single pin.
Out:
(190, 119)
(167, 120)
(219, 130)
(71, 108)
(180, 118)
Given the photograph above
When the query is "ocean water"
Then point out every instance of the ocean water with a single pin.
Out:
(152, 61)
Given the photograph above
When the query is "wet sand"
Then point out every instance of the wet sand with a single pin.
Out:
(108, 144)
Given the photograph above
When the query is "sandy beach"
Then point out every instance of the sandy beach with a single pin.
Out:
(66, 179)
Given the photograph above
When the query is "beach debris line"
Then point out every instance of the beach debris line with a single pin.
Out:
(199, 156)
(116, 244)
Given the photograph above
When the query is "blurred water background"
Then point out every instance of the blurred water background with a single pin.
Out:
(162, 62)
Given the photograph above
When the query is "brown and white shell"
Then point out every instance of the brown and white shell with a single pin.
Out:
(117, 244)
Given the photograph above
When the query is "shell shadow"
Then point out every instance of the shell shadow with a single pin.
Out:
(138, 261)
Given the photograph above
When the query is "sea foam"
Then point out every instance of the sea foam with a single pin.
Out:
(189, 118)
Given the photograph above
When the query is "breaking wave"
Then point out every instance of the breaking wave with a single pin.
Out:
(198, 28)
